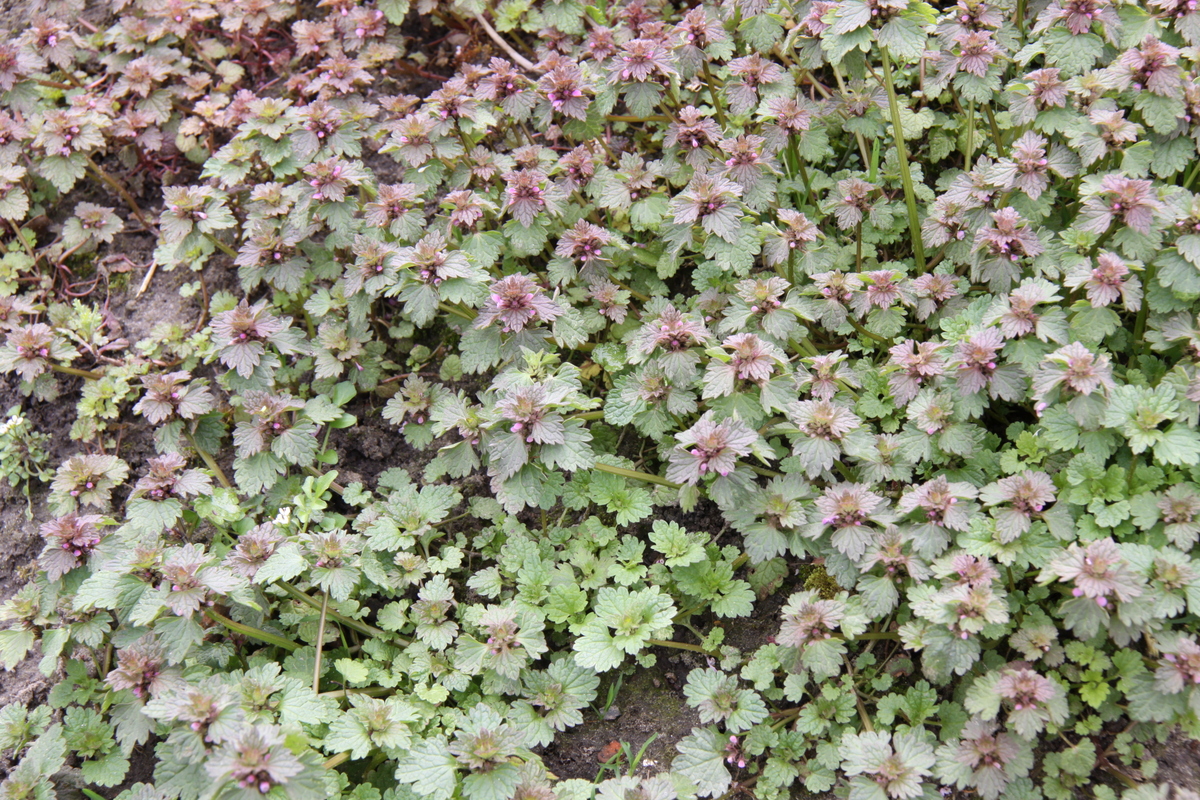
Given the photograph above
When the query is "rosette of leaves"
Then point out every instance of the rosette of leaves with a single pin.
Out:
(708, 452)
(158, 498)
(279, 432)
(525, 431)
(1030, 701)
(883, 765)
(719, 699)
(87, 480)
(553, 699)
(622, 622)
(435, 273)
(242, 335)
(810, 623)
(969, 606)
(30, 351)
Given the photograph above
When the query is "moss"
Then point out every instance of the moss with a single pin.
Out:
(821, 582)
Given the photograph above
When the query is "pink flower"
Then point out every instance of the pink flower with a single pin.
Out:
(583, 242)
(1098, 570)
(1074, 367)
(747, 161)
(525, 194)
(932, 291)
(797, 232)
(821, 419)
(1025, 689)
(691, 133)
(989, 755)
(517, 302)
(821, 375)
(709, 447)
(1078, 16)
(915, 369)
(641, 60)
(612, 299)
(69, 542)
(1179, 668)
(1180, 509)
(1028, 169)
(1021, 319)
(1128, 200)
(526, 411)
(848, 505)
(853, 203)
(563, 88)
(712, 201)
(1009, 237)
(977, 53)
(752, 73)
(1046, 90)
(672, 331)
(1109, 281)
(976, 360)
(1152, 67)
(884, 288)
(808, 619)
(967, 570)
(142, 668)
(940, 502)
(253, 549)
(752, 358)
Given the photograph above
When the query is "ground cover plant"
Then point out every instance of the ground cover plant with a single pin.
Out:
(907, 295)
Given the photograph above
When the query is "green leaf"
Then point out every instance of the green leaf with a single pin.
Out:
(353, 671)
(284, 564)
(430, 769)
(701, 759)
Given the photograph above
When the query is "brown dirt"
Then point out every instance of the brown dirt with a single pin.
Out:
(649, 702)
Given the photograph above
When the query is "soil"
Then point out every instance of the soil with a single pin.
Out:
(650, 704)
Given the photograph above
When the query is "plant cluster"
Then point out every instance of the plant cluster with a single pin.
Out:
(907, 295)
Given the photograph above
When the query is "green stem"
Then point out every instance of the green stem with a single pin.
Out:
(251, 631)
(862, 143)
(812, 200)
(224, 248)
(1139, 326)
(864, 332)
(79, 373)
(338, 760)
(466, 314)
(766, 473)
(637, 476)
(209, 461)
(969, 148)
(628, 118)
(910, 195)
(712, 91)
(862, 709)
(1191, 176)
(632, 292)
(371, 691)
(361, 627)
(858, 246)
(677, 645)
(588, 415)
(320, 643)
(997, 137)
